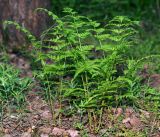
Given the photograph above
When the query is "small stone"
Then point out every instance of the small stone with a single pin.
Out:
(6, 131)
(26, 134)
(45, 130)
(70, 119)
(128, 125)
(73, 133)
(13, 117)
(135, 122)
(126, 120)
(29, 130)
(44, 135)
(58, 131)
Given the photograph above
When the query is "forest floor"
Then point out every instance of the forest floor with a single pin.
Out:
(36, 119)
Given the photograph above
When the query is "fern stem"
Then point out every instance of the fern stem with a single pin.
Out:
(90, 120)
(60, 100)
(86, 83)
(50, 101)
(79, 39)
(147, 57)
(2, 105)
(101, 47)
(83, 82)
(100, 118)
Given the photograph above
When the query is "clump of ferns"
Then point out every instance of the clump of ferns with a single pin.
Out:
(92, 81)
(85, 64)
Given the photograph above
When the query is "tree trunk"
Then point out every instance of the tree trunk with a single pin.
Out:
(22, 11)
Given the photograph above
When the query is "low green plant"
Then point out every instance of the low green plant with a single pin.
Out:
(12, 87)
(3, 54)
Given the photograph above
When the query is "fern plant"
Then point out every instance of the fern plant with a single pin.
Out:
(87, 70)
(84, 64)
